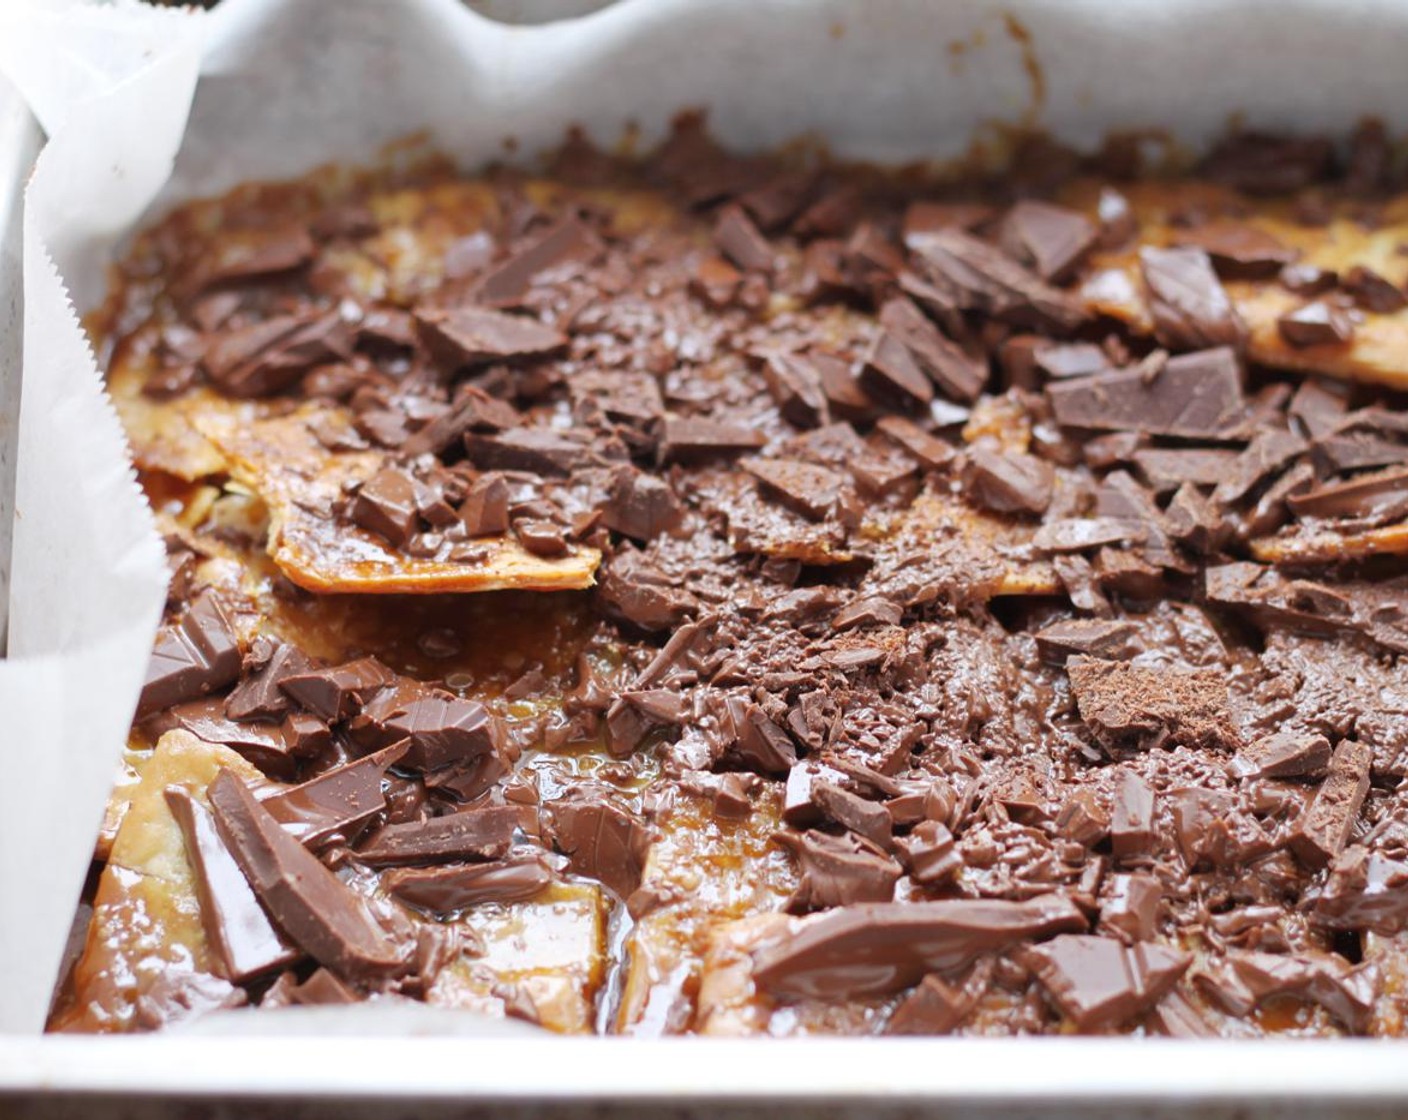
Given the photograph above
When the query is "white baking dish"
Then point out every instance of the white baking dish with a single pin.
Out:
(875, 78)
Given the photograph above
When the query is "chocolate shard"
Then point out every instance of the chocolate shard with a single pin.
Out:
(1348, 993)
(1326, 826)
(640, 506)
(1130, 909)
(269, 356)
(1382, 493)
(439, 728)
(1194, 396)
(742, 734)
(472, 336)
(875, 948)
(867, 819)
(1008, 481)
(931, 452)
(685, 439)
(386, 505)
(333, 693)
(473, 410)
(930, 854)
(891, 372)
(1365, 890)
(1268, 454)
(838, 871)
(1079, 534)
(1099, 983)
(336, 803)
(1168, 468)
(740, 241)
(1238, 251)
(1132, 818)
(1284, 754)
(1316, 324)
(1134, 707)
(267, 665)
(193, 656)
(1093, 637)
(506, 284)
(321, 914)
(235, 925)
(470, 834)
(263, 743)
(632, 591)
(601, 840)
(452, 887)
(979, 277)
(484, 511)
(1051, 239)
(867, 611)
(253, 254)
(802, 487)
(796, 385)
(933, 1007)
(1190, 308)
(1195, 522)
(544, 451)
(1083, 818)
(955, 372)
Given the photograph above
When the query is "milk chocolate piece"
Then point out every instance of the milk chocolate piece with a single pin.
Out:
(1285, 754)
(1009, 481)
(471, 336)
(235, 925)
(957, 374)
(506, 284)
(484, 510)
(931, 452)
(192, 657)
(930, 854)
(1316, 324)
(545, 451)
(892, 372)
(1132, 820)
(333, 693)
(1326, 826)
(685, 439)
(802, 487)
(460, 886)
(1365, 890)
(337, 802)
(933, 1007)
(875, 948)
(470, 834)
(1127, 706)
(254, 254)
(1098, 983)
(440, 729)
(264, 744)
(1049, 238)
(1190, 309)
(1131, 908)
(1194, 396)
(258, 695)
(838, 871)
(314, 908)
(269, 356)
(740, 241)
(631, 591)
(1083, 818)
(1094, 637)
(1349, 994)
(386, 505)
(600, 839)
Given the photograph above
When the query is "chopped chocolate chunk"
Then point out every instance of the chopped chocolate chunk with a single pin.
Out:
(956, 373)
(507, 283)
(684, 439)
(386, 505)
(336, 803)
(545, 451)
(1347, 993)
(1381, 493)
(802, 487)
(1284, 754)
(795, 384)
(867, 819)
(263, 743)
(1365, 890)
(1099, 983)
(1190, 309)
(980, 277)
(321, 914)
(1077, 534)
(471, 336)
(1128, 706)
(1083, 818)
(1132, 820)
(1268, 454)
(453, 887)
(929, 853)
(192, 657)
(869, 611)
(921, 218)
(332, 693)
(1316, 324)
(1009, 482)
(1069, 359)
(746, 736)
(440, 729)
(639, 505)
(1169, 468)
(470, 834)
(1117, 223)
(1325, 828)
(541, 537)
(891, 371)
(631, 591)
(931, 452)
(1052, 239)
(1238, 251)
(484, 510)
(269, 356)
(1131, 908)
(472, 411)
(874, 948)
(600, 839)
(1372, 292)
(740, 241)
(253, 254)
(934, 1007)
(1093, 637)
(838, 871)
(267, 665)
(235, 925)
(1194, 396)
(1194, 522)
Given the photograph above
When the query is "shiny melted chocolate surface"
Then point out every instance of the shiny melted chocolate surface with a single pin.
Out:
(733, 595)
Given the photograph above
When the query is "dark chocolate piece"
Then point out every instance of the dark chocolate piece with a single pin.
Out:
(471, 336)
(470, 834)
(332, 694)
(802, 487)
(545, 451)
(255, 254)
(386, 505)
(324, 916)
(1051, 239)
(1190, 309)
(1264, 164)
(875, 948)
(1238, 251)
(1372, 292)
(740, 241)
(506, 284)
(956, 373)
(269, 356)
(1194, 396)
(1326, 826)
(796, 385)
(892, 372)
(1381, 493)
(684, 440)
